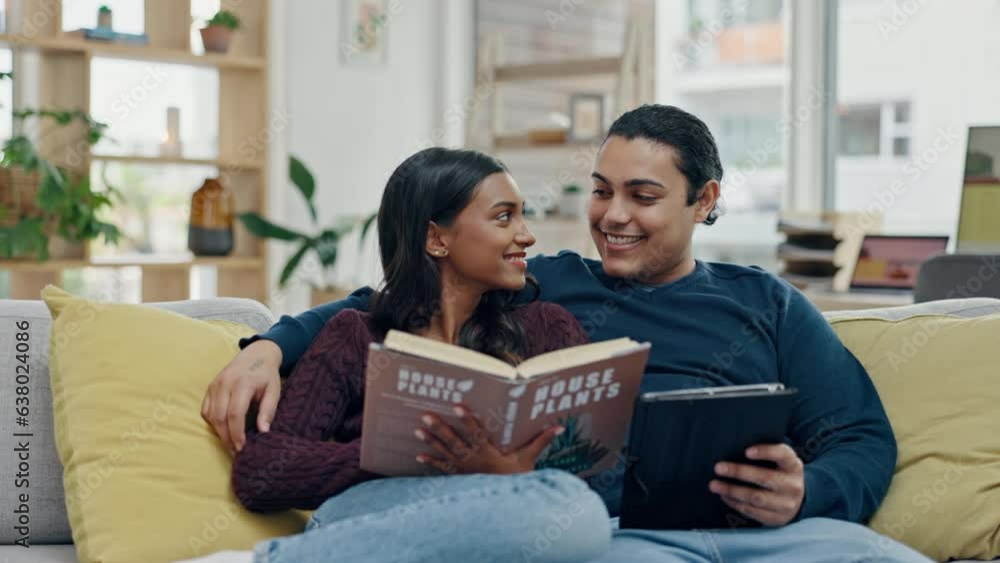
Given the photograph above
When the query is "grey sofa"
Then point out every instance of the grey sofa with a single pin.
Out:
(48, 521)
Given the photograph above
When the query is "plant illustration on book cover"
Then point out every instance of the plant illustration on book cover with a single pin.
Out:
(574, 450)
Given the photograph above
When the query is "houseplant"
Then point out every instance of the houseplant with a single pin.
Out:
(325, 244)
(218, 32)
(573, 202)
(47, 209)
(104, 17)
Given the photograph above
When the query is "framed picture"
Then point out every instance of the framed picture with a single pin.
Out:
(586, 117)
(363, 32)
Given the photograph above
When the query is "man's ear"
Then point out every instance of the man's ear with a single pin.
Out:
(436, 246)
(706, 201)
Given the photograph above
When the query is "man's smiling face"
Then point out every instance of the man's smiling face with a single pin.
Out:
(639, 216)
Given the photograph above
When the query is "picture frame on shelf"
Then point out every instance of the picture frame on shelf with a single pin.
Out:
(363, 32)
(586, 116)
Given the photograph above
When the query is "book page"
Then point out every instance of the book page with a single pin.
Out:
(575, 356)
(448, 353)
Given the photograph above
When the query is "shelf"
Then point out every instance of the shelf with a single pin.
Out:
(522, 142)
(558, 69)
(138, 52)
(234, 262)
(221, 163)
(792, 253)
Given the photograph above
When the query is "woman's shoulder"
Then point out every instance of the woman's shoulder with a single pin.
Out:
(354, 323)
(540, 311)
(550, 326)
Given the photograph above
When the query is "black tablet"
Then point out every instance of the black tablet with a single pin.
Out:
(676, 439)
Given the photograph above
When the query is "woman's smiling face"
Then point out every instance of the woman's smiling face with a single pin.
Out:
(486, 242)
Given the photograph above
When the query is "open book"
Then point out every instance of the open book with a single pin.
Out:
(589, 389)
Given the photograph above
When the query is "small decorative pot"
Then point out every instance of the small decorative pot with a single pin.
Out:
(216, 38)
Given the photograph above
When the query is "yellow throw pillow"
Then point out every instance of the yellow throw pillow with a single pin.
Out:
(146, 478)
(939, 378)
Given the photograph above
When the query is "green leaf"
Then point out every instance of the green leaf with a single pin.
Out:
(24, 240)
(52, 195)
(367, 224)
(263, 228)
(304, 181)
(327, 244)
(293, 263)
(110, 233)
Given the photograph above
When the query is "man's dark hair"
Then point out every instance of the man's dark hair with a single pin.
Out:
(697, 154)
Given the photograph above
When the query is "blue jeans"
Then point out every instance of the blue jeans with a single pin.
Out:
(545, 516)
(540, 517)
(813, 540)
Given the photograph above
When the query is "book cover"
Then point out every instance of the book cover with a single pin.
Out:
(590, 390)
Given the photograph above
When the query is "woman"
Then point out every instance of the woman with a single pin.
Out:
(452, 239)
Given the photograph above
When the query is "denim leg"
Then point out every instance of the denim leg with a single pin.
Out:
(543, 516)
(813, 540)
(384, 494)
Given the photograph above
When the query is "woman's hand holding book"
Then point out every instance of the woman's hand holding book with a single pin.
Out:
(453, 454)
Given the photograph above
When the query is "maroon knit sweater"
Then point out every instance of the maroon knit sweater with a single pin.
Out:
(313, 449)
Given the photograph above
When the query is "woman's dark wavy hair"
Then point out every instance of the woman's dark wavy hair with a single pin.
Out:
(436, 184)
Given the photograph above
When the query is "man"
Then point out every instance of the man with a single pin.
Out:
(656, 177)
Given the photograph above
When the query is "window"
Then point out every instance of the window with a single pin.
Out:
(728, 68)
(128, 16)
(909, 83)
(133, 99)
(875, 130)
(751, 12)
(860, 131)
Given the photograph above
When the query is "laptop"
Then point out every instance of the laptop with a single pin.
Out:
(890, 263)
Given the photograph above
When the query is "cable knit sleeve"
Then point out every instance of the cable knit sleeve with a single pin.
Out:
(550, 327)
(295, 465)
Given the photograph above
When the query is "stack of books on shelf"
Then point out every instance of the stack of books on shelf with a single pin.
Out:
(817, 247)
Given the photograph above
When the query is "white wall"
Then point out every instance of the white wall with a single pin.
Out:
(942, 57)
(352, 125)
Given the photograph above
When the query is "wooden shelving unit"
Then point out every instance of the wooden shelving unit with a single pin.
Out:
(515, 142)
(134, 52)
(558, 70)
(64, 76)
(631, 73)
(227, 164)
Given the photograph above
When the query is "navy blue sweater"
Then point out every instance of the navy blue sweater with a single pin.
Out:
(720, 325)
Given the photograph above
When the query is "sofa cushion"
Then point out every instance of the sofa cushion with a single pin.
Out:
(938, 379)
(48, 522)
(146, 478)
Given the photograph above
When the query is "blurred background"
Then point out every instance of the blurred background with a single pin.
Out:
(163, 149)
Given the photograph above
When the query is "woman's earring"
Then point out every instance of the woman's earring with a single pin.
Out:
(442, 252)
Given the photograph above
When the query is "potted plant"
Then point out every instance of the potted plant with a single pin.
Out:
(48, 210)
(104, 17)
(217, 33)
(573, 202)
(325, 245)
